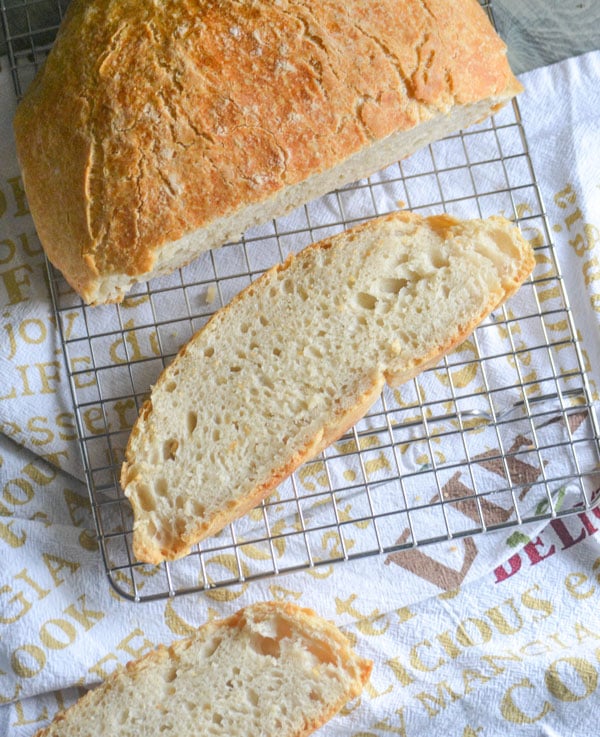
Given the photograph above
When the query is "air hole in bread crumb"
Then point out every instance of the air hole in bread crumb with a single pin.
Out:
(161, 486)
(266, 646)
(211, 647)
(170, 674)
(313, 351)
(321, 651)
(263, 321)
(276, 351)
(366, 301)
(146, 498)
(265, 381)
(170, 449)
(392, 286)
(192, 421)
(209, 352)
(439, 259)
(198, 509)
(171, 386)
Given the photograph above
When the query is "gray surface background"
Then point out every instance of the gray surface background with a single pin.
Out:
(539, 32)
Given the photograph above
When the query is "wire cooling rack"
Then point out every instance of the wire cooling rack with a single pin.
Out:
(502, 433)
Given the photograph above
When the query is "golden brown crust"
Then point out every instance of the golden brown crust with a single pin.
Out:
(145, 123)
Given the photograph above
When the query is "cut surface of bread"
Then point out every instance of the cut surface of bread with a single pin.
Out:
(298, 357)
(270, 669)
(155, 131)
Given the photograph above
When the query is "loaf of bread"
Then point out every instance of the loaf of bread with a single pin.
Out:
(270, 669)
(157, 130)
(298, 357)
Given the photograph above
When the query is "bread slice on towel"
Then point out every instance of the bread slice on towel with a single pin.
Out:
(298, 357)
(270, 669)
(157, 130)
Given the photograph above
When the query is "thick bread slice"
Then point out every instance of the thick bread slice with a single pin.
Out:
(157, 130)
(298, 357)
(270, 669)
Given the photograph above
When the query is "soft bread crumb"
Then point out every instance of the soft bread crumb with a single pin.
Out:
(298, 357)
(271, 669)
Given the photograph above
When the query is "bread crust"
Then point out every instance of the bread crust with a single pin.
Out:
(146, 550)
(393, 371)
(303, 620)
(150, 121)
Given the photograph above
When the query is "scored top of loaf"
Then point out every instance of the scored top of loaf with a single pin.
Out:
(148, 119)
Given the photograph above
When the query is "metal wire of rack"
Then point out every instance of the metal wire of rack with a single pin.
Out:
(503, 432)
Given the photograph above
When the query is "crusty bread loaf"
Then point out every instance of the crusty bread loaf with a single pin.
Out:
(298, 357)
(270, 669)
(155, 131)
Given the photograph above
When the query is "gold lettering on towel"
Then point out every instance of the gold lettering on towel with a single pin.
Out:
(20, 199)
(557, 673)
(372, 623)
(514, 713)
(134, 646)
(23, 721)
(19, 605)
(15, 282)
(27, 661)
(436, 703)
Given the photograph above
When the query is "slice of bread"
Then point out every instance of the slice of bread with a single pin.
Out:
(298, 357)
(270, 669)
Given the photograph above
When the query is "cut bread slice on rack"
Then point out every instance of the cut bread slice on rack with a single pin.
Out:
(300, 356)
(271, 669)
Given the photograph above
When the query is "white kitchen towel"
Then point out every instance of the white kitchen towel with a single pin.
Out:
(63, 625)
